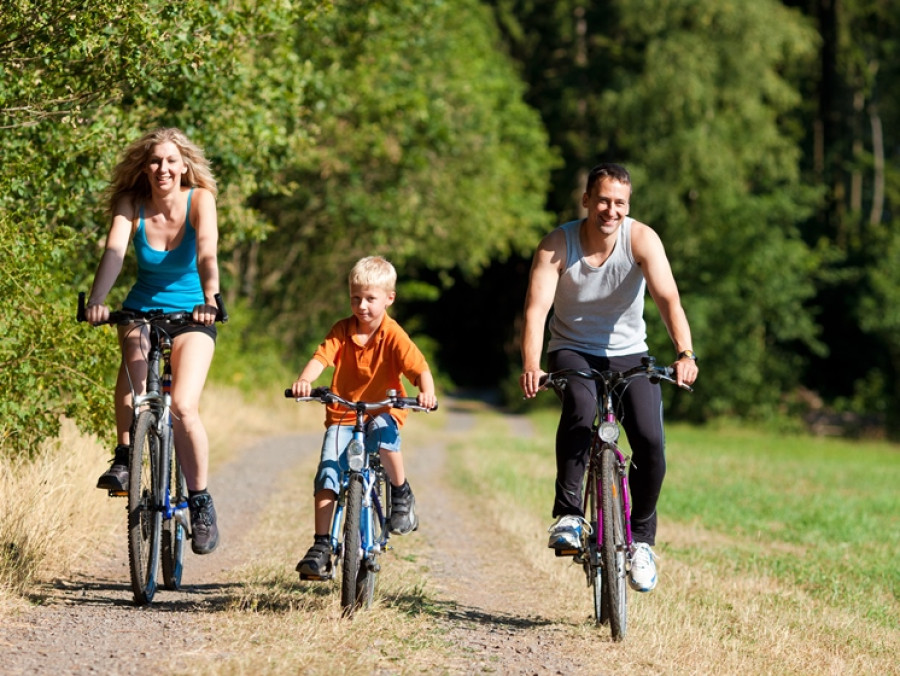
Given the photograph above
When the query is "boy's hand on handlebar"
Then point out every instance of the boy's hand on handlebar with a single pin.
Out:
(427, 400)
(301, 387)
(530, 382)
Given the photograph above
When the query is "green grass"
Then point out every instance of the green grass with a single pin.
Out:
(819, 514)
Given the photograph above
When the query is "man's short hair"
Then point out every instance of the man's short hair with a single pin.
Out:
(607, 170)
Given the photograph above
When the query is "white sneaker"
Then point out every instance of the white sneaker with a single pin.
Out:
(643, 568)
(566, 532)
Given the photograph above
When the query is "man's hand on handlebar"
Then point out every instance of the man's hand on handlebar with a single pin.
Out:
(531, 382)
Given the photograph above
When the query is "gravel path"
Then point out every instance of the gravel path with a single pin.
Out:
(504, 616)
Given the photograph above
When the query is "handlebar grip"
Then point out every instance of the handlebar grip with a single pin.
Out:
(222, 314)
(289, 393)
(79, 315)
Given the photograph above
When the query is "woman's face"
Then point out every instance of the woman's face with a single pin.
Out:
(165, 167)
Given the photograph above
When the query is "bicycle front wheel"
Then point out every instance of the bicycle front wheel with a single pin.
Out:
(173, 533)
(352, 545)
(375, 523)
(592, 556)
(614, 544)
(144, 515)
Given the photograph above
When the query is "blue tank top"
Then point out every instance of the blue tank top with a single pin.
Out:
(166, 280)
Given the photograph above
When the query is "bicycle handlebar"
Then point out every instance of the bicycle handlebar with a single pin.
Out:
(326, 396)
(610, 379)
(127, 316)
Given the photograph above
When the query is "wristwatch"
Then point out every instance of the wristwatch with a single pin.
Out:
(687, 354)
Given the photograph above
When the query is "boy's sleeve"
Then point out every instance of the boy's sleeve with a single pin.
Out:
(330, 348)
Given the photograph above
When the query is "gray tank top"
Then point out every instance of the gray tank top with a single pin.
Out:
(599, 311)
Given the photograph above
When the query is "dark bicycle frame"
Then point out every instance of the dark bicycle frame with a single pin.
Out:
(604, 437)
(157, 400)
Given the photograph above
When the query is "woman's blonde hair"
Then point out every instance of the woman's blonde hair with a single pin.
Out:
(129, 178)
(373, 271)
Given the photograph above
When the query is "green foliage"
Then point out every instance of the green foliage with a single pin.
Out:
(423, 151)
(390, 126)
(76, 84)
(696, 100)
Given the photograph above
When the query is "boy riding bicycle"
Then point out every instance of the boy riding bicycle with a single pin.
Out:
(370, 352)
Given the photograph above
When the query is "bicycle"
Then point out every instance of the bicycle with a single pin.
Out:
(157, 493)
(359, 530)
(607, 544)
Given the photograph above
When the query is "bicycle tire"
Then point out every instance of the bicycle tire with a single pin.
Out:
(352, 553)
(592, 566)
(368, 570)
(613, 549)
(173, 533)
(144, 516)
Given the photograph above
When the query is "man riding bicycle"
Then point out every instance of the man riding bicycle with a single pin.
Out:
(594, 272)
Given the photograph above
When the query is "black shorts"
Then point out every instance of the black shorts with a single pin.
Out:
(176, 331)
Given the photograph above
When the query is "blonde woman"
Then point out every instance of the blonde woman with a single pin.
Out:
(162, 198)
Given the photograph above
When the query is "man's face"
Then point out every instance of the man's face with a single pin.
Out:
(607, 204)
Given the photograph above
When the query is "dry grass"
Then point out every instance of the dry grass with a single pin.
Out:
(52, 513)
(709, 615)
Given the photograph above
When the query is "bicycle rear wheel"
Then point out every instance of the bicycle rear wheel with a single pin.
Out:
(173, 533)
(144, 516)
(614, 546)
(352, 546)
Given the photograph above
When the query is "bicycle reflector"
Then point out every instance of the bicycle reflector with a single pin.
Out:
(355, 454)
(609, 431)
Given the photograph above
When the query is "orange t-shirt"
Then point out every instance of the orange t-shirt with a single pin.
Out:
(367, 372)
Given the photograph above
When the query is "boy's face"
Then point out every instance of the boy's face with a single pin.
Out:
(369, 303)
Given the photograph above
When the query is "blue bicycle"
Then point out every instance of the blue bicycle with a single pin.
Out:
(359, 531)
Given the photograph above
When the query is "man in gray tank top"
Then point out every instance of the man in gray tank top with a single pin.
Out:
(594, 273)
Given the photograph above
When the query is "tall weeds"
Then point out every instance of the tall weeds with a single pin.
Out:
(51, 512)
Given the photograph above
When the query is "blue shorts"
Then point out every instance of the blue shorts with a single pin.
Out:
(382, 433)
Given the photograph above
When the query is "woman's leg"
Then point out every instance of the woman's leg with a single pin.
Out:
(192, 354)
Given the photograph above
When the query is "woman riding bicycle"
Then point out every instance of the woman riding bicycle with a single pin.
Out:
(162, 196)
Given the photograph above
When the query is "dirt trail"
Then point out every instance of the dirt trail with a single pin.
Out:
(506, 623)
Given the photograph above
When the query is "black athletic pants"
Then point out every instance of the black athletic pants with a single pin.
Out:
(640, 411)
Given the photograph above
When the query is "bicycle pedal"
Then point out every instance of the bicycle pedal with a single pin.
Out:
(118, 494)
(316, 578)
(567, 552)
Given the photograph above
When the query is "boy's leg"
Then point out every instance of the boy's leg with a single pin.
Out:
(316, 563)
(384, 432)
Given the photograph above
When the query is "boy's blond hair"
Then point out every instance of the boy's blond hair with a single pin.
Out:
(373, 271)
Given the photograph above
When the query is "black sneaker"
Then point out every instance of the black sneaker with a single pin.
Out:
(204, 531)
(116, 477)
(403, 510)
(316, 564)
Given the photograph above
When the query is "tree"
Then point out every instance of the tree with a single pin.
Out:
(424, 151)
(696, 99)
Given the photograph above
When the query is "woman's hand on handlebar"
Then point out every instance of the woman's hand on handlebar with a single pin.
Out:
(96, 313)
(531, 382)
(205, 314)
